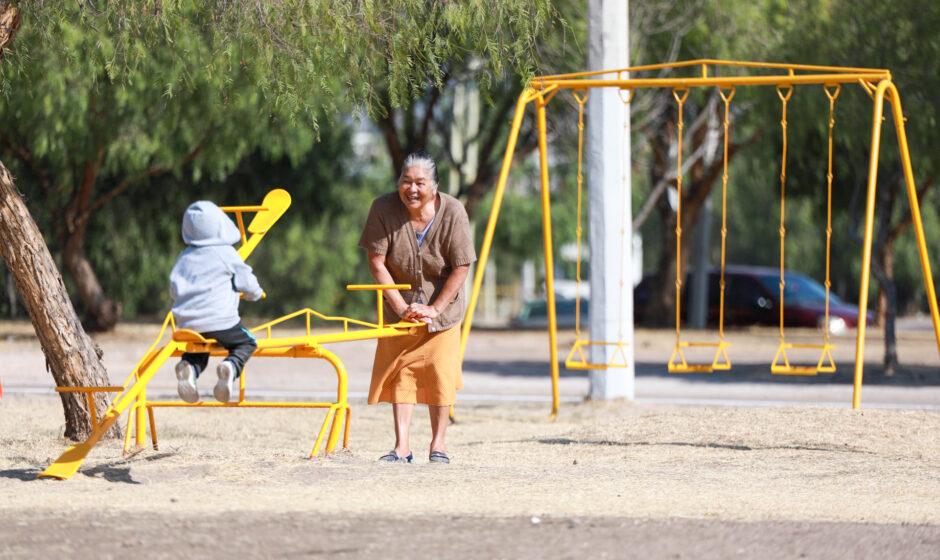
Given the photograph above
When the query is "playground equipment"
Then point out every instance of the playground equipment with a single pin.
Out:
(133, 393)
(826, 348)
(721, 360)
(576, 358)
(701, 74)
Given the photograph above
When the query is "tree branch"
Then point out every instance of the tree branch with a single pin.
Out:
(903, 224)
(429, 114)
(23, 154)
(127, 183)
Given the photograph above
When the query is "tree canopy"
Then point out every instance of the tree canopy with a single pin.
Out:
(233, 71)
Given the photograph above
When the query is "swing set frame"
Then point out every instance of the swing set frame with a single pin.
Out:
(707, 73)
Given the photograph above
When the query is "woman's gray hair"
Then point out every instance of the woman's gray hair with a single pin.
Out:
(423, 159)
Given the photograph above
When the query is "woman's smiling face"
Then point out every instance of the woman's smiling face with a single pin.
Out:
(416, 187)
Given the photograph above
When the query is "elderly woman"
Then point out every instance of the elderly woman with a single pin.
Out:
(421, 237)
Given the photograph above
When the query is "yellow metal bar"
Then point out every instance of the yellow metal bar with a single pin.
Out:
(866, 244)
(235, 404)
(105, 389)
(524, 98)
(90, 399)
(379, 290)
(341, 406)
(268, 346)
(322, 432)
(241, 226)
(879, 96)
(549, 259)
(380, 287)
(895, 98)
(127, 432)
(275, 203)
(723, 82)
(141, 425)
(714, 62)
(241, 386)
(153, 428)
(67, 464)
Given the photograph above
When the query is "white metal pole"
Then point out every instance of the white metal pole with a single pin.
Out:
(609, 209)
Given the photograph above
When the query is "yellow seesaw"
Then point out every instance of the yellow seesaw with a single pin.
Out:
(133, 394)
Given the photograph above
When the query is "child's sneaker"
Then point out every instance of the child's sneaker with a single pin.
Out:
(186, 382)
(223, 389)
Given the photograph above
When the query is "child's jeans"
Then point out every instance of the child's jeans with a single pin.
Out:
(237, 340)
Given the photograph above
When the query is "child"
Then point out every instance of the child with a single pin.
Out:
(204, 283)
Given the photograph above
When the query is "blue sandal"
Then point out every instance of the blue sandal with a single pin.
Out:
(439, 457)
(392, 457)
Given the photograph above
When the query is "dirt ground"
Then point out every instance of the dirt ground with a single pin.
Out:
(613, 479)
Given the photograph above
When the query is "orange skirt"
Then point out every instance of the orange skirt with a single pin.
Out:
(422, 368)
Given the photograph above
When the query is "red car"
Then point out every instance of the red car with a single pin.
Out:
(752, 295)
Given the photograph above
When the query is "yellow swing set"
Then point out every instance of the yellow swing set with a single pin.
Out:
(681, 77)
(825, 363)
(576, 359)
(677, 361)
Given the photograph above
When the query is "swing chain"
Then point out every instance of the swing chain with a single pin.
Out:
(832, 95)
(724, 209)
(581, 97)
(680, 95)
(625, 196)
(784, 97)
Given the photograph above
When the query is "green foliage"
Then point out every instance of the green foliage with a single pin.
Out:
(297, 49)
(306, 260)
(211, 91)
(901, 37)
(518, 236)
(137, 96)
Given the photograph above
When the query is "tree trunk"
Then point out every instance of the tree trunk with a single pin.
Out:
(71, 356)
(884, 256)
(883, 270)
(9, 23)
(101, 313)
(703, 144)
(661, 311)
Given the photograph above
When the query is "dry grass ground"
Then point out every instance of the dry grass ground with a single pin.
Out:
(605, 479)
(614, 477)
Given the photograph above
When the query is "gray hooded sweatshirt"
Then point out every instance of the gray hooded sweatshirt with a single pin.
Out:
(208, 274)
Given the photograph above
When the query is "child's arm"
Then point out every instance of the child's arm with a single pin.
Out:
(246, 282)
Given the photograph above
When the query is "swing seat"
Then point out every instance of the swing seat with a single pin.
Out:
(788, 369)
(618, 359)
(721, 361)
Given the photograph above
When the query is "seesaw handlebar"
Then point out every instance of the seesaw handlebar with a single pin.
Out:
(379, 288)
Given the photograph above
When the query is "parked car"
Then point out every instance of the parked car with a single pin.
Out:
(534, 314)
(752, 295)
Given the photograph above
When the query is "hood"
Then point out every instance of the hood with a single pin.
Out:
(206, 224)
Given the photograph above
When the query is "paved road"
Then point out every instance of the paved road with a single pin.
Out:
(513, 365)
